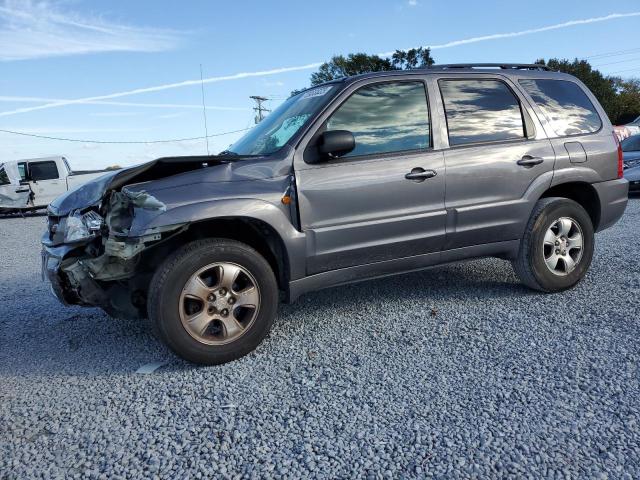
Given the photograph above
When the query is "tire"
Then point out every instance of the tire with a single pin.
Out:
(195, 328)
(536, 252)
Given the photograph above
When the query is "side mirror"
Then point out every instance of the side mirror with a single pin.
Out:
(335, 143)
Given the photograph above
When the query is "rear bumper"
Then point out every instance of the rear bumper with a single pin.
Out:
(613, 195)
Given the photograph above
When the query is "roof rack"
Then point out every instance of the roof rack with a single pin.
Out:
(503, 66)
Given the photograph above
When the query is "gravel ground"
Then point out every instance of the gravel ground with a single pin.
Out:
(458, 371)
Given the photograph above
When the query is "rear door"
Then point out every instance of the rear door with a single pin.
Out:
(45, 181)
(361, 208)
(496, 151)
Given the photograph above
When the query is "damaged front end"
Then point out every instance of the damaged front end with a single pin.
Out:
(90, 258)
(106, 238)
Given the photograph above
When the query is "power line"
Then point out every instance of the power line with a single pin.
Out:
(627, 70)
(78, 140)
(613, 54)
(619, 61)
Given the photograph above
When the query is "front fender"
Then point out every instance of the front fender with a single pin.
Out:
(243, 208)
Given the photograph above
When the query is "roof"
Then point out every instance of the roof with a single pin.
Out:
(512, 69)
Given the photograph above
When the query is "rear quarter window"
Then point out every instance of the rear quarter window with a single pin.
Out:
(565, 104)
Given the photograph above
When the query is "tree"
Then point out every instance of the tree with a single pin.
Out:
(340, 66)
(413, 58)
(628, 100)
(356, 63)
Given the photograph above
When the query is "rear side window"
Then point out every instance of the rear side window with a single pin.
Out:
(481, 111)
(384, 118)
(565, 105)
(43, 171)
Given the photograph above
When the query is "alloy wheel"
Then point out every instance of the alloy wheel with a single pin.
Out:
(219, 303)
(562, 246)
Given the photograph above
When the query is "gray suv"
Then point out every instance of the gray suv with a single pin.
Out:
(358, 178)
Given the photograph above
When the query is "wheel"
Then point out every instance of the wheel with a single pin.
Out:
(557, 246)
(213, 300)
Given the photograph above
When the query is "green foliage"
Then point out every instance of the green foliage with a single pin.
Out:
(619, 98)
(353, 64)
(356, 63)
(628, 100)
(413, 58)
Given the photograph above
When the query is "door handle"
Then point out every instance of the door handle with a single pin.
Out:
(420, 174)
(23, 190)
(528, 161)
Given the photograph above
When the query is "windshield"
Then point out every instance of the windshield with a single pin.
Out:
(279, 126)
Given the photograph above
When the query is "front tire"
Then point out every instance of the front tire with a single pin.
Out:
(213, 300)
(557, 247)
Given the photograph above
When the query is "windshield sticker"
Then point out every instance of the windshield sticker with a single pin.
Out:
(316, 92)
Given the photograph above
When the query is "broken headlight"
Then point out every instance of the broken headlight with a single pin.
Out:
(82, 226)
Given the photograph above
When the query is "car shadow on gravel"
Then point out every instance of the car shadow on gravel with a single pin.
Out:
(492, 278)
(81, 341)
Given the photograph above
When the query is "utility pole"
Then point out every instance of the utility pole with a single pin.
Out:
(259, 108)
(204, 111)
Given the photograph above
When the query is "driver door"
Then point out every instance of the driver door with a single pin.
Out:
(384, 200)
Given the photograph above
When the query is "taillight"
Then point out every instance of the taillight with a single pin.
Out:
(620, 162)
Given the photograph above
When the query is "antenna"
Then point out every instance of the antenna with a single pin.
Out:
(259, 108)
(204, 110)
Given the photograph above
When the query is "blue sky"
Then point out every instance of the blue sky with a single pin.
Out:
(55, 51)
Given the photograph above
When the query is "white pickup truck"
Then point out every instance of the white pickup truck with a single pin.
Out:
(32, 184)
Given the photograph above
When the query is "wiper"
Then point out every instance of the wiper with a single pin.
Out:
(227, 153)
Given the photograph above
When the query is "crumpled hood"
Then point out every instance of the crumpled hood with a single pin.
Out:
(169, 172)
(82, 196)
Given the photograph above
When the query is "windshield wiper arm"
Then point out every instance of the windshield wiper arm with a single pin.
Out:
(227, 153)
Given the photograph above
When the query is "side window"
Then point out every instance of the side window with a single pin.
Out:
(565, 105)
(43, 171)
(481, 111)
(385, 117)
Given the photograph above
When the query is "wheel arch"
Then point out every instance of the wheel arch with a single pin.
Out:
(256, 233)
(581, 192)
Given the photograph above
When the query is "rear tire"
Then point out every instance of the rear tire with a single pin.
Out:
(213, 301)
(557, 247)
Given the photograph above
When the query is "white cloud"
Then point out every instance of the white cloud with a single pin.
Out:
(66, 130)
(413, 3)
(159, 88)
(497, 36)
(21, 99)
(114, 114)
(275, 71)
(37, 30)
(171, 115)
